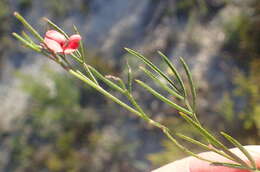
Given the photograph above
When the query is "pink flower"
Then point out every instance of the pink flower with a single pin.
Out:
(57, 43)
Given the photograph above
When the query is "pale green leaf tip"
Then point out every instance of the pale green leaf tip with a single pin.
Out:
(160, 53)
(182, 59)
(141, 67)
(138, 81)
(16, 14)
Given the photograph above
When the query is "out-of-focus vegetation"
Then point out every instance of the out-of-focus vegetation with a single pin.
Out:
(4, 28)
(243, 46)
(59, 132)
(69, 127)
(248, 88)
(240, 109)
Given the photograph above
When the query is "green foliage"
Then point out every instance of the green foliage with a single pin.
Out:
(5, 26)
(169, 152)
(25, 4)
(243, 35)
(227, 108)
(60, 8)
(248, 87)
(235, 30)
(243, 104)
(246, 96)
(55, 124)
(242, 42)
(189, 6)
(4, 9)
(188, 113)
(58, 134)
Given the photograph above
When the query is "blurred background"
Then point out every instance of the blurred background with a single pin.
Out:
(51, 122)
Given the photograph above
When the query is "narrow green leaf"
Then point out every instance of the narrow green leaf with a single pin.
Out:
(240, 147)
(162, 98)
(161, 84)
(102, 91)
(182, 148)
(63, 57)
(206, 147)
(129, 77)
(231, 165)
(153, 67)
(174, 70)
(28, 26)
(192, 87)
(117, 79)
(81, 51)
(138, 107)
(213, 140)
(55, 27)
(76, 58)
(105, 80)
(26, 43)
(27, 37)
(202, 131)
(92, 77)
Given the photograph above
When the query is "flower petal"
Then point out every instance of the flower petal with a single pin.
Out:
(73, 42)
(72, 45)
(56, 36)
(53, 45)
(75, 37)
(69, 51)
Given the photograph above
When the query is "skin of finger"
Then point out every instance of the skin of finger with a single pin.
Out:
(192, 164)
(176, 166)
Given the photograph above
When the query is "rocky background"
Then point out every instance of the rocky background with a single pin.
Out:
(51, 122)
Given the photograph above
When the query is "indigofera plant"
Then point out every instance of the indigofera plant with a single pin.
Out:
(68, 51)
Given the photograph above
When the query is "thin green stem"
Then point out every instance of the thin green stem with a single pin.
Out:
(28, 26)
(104, 92)
(162, 98)
(86, 67)
(140, 114)
(194, 116)
(105, 80)
(213, 140)
(63, 56)
(167, 133)
(26, 43)
(191, 118)
(241, 148)
(161, 84)
(153, 67)
(136, 105)
(192, 86)
(76, 58)
(55, 27)
(174, 70)
(206, 147)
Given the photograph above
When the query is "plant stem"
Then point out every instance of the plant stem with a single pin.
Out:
(104, 92)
